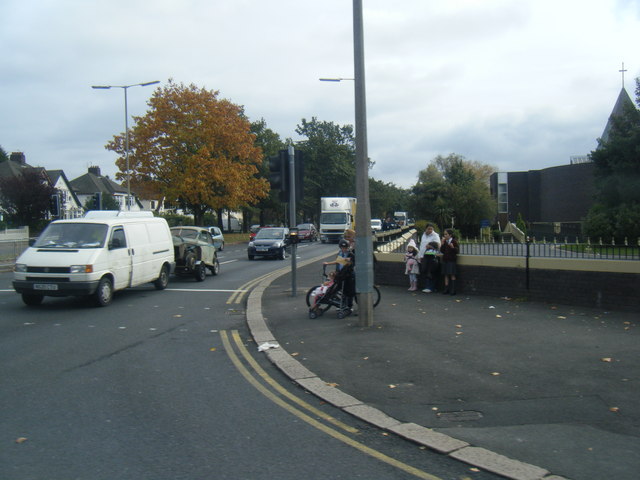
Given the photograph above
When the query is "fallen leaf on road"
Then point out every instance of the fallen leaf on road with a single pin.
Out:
(614, 409)
(495, 374)
(332, 384)
(212, 349)
(561, 317)
(21, 440)
(498, 316)
(606, 359)
(392, 386)
(295, 354)
(458, 333)
(458, 326)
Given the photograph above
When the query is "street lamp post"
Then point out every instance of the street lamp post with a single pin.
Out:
(364, 247)
(126, 127)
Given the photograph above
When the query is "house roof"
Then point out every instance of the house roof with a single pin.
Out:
(90, 183)
(56, 175)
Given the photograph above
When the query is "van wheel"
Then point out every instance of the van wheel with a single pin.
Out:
(200, 272)
(282, 255)
(163, 279)
(104, 293)
(31, 299)
(215, 270)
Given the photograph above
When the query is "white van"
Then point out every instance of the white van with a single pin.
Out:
(94, 256)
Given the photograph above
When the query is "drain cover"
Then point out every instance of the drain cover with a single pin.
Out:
(461, 416)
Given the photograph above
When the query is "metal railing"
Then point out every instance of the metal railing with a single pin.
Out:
(541, 249)
(11, 249)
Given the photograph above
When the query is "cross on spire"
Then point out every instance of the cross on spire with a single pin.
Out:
(622, 72)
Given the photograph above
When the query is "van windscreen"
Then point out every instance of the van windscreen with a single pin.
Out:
(72, 235)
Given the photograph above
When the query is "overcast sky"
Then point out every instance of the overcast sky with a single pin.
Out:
(516, 84)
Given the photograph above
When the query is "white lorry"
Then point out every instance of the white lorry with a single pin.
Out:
(400, 218)
(95, 256)
(336, 215)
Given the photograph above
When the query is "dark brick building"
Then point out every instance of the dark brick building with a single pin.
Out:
(554, 200)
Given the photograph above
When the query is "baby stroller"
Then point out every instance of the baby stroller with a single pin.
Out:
(330, 294)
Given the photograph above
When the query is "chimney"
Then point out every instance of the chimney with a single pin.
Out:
(95, 170)
(18, 157)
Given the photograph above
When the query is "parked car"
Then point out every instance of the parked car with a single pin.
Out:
(307, 231)
(269, 242)
(376, 225)
(195, 252)
(218, 238)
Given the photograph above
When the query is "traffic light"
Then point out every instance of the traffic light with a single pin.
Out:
(279, 174)
(54, 205)
(97, 201)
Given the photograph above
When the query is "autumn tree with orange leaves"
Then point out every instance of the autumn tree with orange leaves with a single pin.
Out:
(194, 149)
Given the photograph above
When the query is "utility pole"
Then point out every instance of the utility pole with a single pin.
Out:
(364, 246)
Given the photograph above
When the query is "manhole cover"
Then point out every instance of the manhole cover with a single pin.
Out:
(461, 416)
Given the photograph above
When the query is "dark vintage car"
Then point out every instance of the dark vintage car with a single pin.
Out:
(269, 242)
(308, 232)
(195, 252)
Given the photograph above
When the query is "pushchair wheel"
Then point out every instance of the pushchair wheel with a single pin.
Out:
(341, 314)
(313, 315)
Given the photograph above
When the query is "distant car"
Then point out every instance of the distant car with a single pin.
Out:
(194, 252)
(376, 225)
(218, 238)
(307, 231)
(269, 242)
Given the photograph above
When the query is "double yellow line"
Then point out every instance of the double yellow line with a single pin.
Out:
(279, 394)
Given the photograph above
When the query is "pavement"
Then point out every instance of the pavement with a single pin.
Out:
(525, 390)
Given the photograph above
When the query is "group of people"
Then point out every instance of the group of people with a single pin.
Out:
(434, 256)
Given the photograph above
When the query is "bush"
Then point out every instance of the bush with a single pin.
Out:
(627, 222)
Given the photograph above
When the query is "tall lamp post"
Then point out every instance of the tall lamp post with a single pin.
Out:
(364, 247)
(126, 127)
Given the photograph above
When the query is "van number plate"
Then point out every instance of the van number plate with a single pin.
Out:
(45, 286)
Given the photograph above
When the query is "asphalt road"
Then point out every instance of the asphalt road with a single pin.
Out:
(169, 385)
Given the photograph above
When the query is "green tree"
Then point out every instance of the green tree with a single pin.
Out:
(455, 187)
(387, 197)
(25, 199)
(329, 163)
(617, 178)
(3, 154)
(194, 149)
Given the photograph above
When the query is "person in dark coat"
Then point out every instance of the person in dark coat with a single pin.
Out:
(449, 250)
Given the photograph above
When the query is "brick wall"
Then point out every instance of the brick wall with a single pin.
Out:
(613, 285)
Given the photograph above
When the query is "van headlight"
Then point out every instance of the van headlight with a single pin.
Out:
(20, 267)
(81, 269)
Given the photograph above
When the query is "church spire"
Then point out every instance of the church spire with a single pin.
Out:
(622, 72)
